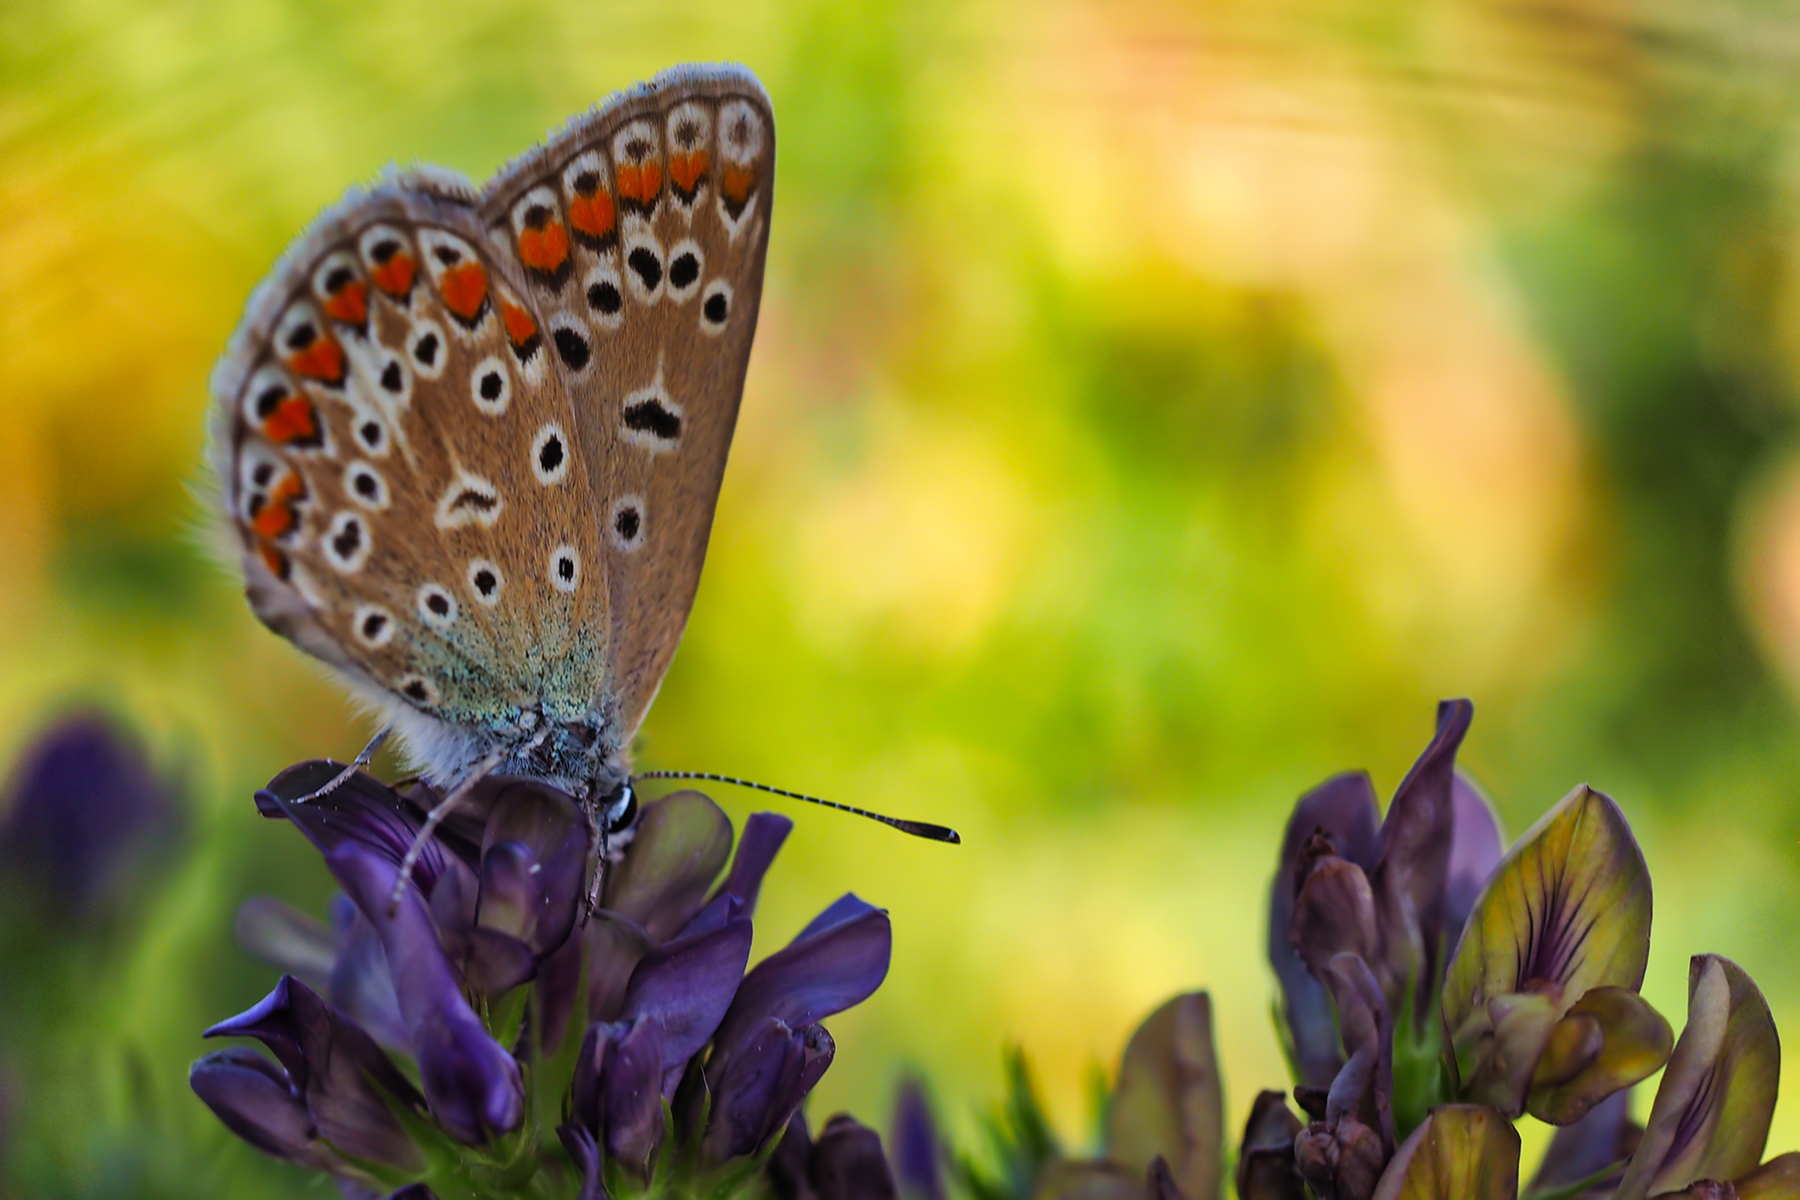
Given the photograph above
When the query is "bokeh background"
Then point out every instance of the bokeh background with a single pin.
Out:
(1156, 408)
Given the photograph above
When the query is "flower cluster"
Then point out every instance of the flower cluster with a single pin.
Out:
(428, 1047)
(1434, 988)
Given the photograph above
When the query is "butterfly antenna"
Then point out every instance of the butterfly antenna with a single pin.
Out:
(921, 829)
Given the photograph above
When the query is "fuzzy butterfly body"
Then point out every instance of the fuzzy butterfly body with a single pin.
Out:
(469, 442)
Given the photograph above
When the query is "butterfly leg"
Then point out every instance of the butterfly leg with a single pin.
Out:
(433, 819)
(363, 758)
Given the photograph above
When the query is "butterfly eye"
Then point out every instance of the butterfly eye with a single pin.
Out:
(620, 810)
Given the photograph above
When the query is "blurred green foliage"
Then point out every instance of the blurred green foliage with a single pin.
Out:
(1156, 408)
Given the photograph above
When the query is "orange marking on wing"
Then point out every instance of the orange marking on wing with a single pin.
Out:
(292, 421)
(323, 360)
(351, 304)
(640, 182)
(464, 289)
(395, 276)
(738, 182)
(273, 559)
(278, 517)
(593, 215)
(545, 249)
(519, 325)
(687, 169)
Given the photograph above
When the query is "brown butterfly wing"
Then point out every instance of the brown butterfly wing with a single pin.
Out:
(641, 231)
(381, 435)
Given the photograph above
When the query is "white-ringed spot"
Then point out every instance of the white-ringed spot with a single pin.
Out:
(373, 625)
(469, 500)
(686, 262)
(625, 524)
(419, 689)
(485, 581)
(644, 269)
(366, 486)
(394, 379)
(346, 543)
(649, 418)
(565, 568)
(490, 384)
(426, 347)
(605, 293)
(437, 607)
(715, 307)
(550, 455)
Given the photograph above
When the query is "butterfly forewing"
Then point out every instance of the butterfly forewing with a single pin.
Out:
(640, 231)
(397, 457)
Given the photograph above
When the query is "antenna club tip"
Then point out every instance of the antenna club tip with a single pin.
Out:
(954, 838)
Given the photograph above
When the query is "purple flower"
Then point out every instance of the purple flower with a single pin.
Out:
(85, 814)
(477, 972)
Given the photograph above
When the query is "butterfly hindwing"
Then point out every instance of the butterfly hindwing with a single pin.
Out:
(640, 231)
(396, 458)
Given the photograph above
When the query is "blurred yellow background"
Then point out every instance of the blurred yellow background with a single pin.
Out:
(1156, 408)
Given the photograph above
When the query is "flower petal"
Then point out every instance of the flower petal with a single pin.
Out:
(681, 845)
(1365, 1087)
(631, 1089)
(1777, 1179)
(585, 1152)
(555, 839)
(1634, 1043)
(1576, 894)
(847, 1163)
(1342, 1160)
(293, 942)
(1335, 914)
(1461, 1152)
(1497, 1049)
(472, 1085)
(1167, 1101)
(1475, 851)
(1713, 1108)
(1344, 810)
(1410, 878)
(1602, 1138)
(615, 944)
(764, 1064)
(1066, 1179)
(686, 986)
(362, 810)
(763, 834)
(253, 1098)
(836, 962)
(337, 1069)
(918, 1150)
(1265, 1168)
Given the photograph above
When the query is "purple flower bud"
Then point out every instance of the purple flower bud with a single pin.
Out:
(761, 1086)
(256, 1101)
(84, 813)
(847, 1163)
(618, 1091)
(337, 1071)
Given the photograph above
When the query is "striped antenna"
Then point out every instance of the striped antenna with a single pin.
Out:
(922, 829)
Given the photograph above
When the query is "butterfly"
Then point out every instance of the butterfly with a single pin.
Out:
(468, 441)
